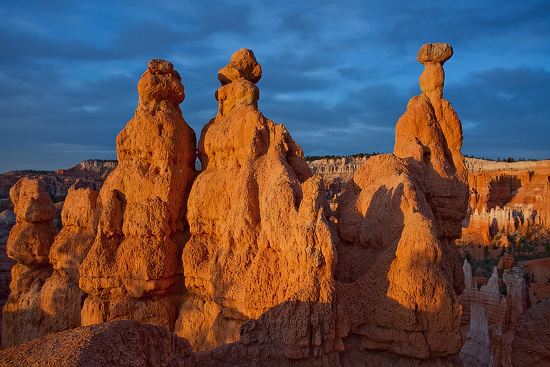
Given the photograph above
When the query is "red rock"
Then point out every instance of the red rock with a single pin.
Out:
(261, 246)
(117, 343)
(141, 210)
(29, 243)
(397, 262)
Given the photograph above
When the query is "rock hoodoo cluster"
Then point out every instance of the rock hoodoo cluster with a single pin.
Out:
(240, 259)
(507, 198)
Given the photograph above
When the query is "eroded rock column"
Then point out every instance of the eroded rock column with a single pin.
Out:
(133, 269)
(398, 271)
(29, 243)
(261, 247)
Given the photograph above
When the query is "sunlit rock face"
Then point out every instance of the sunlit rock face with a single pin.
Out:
(133, 268)
(507, 197)
(398, 272)
(29, 243)
(261, 247)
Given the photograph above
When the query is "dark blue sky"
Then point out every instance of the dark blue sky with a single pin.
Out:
(337, 74)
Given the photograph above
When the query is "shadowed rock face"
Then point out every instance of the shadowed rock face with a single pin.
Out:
(260, 246)
(133, 265)
(29, 243)
(397, 263)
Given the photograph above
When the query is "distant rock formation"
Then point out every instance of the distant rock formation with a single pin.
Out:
(476, 351)
(133, 270)
(261, 247)
(398, 268)
(500, 315)
(29, 243)
(92, 173)
(507, 198)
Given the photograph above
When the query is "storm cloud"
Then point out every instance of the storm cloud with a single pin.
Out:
(337, 74)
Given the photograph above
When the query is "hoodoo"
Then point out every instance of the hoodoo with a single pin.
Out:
(261, 246)
(398, 267)
(133, 269)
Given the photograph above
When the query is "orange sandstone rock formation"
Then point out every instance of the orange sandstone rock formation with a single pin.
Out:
(261, 247)
(507, 198)
(398, 267)
(61, 297)
(134, 267)
(29, 243)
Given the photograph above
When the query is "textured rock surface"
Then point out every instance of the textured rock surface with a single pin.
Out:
(531, 345)
(507, 198)
(398, 268)
(260, 244)
(61, 298)
(476, 351)
(134, 264)
(488, 297)
(29, 243)
(117, 343)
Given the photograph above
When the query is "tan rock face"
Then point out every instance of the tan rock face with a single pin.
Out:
(134, 264)
(260, 244)
(507, 198)
(29, 243)
(397, 263)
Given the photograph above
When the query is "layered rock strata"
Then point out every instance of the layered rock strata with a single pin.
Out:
(398, 271)
(261, 247)
(507, 198)
(29, 243)
(133, 268)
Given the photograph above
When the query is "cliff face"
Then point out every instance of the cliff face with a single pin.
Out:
(507, 198)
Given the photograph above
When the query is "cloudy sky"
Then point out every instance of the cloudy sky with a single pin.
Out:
(337, 74)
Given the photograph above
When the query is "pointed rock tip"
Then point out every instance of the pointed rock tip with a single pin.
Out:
(434, 52)
(243, 65)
